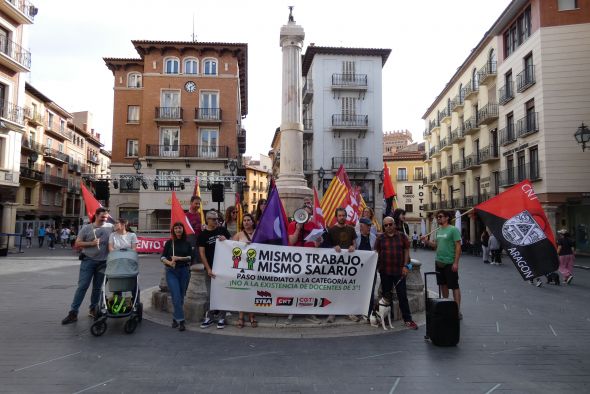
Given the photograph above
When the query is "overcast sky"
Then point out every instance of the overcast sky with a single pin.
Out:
(429, 39)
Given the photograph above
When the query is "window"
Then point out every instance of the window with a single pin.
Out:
(208, 142)
(402, 174)
(521, 166)
(564, 5)
(49, 120)
(348, 107)
(169, 140)
(171, 66)
(170, 104)
(132, 148)
(209, 105)
(210, 67)
(418, 174)
(474, 80)
(49, 142)
(45, 197)
(133, 114)
(191, 66)
(508, 83)
(348, 150)
(165, 177)
(409, 208)
(59, 172)
(134, 80)
(28, 195)
(408, 190)
(518, 32)
(534, 163)
(62, 125)
(510, 169)
(60, 147)
(531, 116)
(58, 199)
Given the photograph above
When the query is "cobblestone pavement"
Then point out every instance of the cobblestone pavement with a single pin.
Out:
(515, 338)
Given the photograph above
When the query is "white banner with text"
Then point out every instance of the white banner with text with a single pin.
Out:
(291, 280)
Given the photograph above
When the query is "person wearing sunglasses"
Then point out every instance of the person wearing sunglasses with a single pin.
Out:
(393, 250)
(448, 251)
(206, 242)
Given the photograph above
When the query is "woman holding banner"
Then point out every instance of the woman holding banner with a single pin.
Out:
(245, 235)
(177, 258)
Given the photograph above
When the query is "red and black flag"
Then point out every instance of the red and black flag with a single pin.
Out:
(518, 221)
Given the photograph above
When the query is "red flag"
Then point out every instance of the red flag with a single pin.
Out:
(178, 215)
(388, 189)
(518, 221)
(317, 218)
(90, 202)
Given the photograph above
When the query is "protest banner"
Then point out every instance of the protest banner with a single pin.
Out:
(291, 280)
(150, 245)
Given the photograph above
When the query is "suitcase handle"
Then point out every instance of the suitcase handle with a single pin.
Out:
(426, 274)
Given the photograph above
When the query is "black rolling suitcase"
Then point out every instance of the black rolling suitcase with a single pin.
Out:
(442, 318)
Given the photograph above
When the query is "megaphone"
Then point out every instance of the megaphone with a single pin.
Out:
(301, 216)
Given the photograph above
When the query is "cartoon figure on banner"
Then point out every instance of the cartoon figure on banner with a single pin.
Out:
(236, 257)
(251, 258)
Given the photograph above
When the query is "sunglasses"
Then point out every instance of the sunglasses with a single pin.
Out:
(387, 224)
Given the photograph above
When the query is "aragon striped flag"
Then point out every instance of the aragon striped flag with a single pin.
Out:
(518, 221)
(335, 196)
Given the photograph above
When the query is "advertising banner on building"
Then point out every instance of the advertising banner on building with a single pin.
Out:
(291, 280)
(150, 245)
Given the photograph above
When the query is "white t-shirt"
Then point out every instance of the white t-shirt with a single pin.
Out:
(122, 241)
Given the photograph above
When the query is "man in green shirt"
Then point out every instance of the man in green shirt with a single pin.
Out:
(448, 251)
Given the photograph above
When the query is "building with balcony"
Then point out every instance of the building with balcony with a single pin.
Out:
(406, 168)
(523, 89)
(258, 174)
(53, 161)
(15, 63)
(178, 110)
(344, 111)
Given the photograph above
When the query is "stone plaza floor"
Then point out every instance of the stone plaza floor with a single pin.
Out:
(515, 338)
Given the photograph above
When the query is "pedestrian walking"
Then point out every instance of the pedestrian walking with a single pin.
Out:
(566, 249)
(448, 251)
(64, 236)
(41, 235)
(393, 249)
(415, 241)
(206, 242)
(50, 231)
(29, 236)
(176, 257)
(94, 240)
(485, 249)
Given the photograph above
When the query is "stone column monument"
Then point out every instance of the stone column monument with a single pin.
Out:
(291, 183)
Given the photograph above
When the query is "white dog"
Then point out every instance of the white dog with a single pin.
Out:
(381, 313)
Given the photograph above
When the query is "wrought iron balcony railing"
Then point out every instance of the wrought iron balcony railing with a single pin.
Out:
(506, 93)
(489, 153)
(307, 124)
(55, 180)
(527, 125)
(208, 114)
(32, 145)
(487, 114)
(349, 80)
(525, 79)
(15, 52)
(350, 121)
(519, 173)
(33, 173)
(457, 134)
(487, 72)
(351, 163)
(168, 113)
(187, 151)
(55, 154)
(12, 112)
(507, 134)
(470, 125)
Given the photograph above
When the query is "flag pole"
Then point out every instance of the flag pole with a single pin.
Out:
(463, 214)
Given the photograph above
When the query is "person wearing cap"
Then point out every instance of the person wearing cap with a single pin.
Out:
(566, 248)
(365, 240)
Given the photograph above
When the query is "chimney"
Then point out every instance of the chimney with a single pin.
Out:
(85, 127)
(98, 136)
(92, 132)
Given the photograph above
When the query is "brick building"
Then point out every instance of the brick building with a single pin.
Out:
(396, 140)
(177, 114)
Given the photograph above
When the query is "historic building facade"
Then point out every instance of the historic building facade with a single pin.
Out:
(342, 117)
(177, 115)
(509, 113)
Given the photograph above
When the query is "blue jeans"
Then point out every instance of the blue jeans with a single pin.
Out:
(90, 271)
(177, 279)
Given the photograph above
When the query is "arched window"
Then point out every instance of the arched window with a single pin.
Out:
(134, 80)
(461, 93)
(449, 106)
(210, 67)
(475, 79)
(171, 66)
(191, 66)
(492, 60)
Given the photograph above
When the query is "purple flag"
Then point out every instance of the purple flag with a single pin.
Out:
(272, 227)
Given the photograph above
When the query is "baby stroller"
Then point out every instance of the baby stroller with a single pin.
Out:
(121, 277)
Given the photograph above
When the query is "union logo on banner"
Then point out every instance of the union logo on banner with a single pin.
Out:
(522, 230)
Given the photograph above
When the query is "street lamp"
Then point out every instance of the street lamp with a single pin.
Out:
(582, 135)
(137, 166)
(321, 174)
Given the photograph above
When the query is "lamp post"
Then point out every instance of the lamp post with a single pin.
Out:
(321, 174)
(233, 166)
(582, 135)
(137, 166)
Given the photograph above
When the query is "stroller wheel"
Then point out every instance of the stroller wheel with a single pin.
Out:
(98, 328)
(130, 325)
(139, 312)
